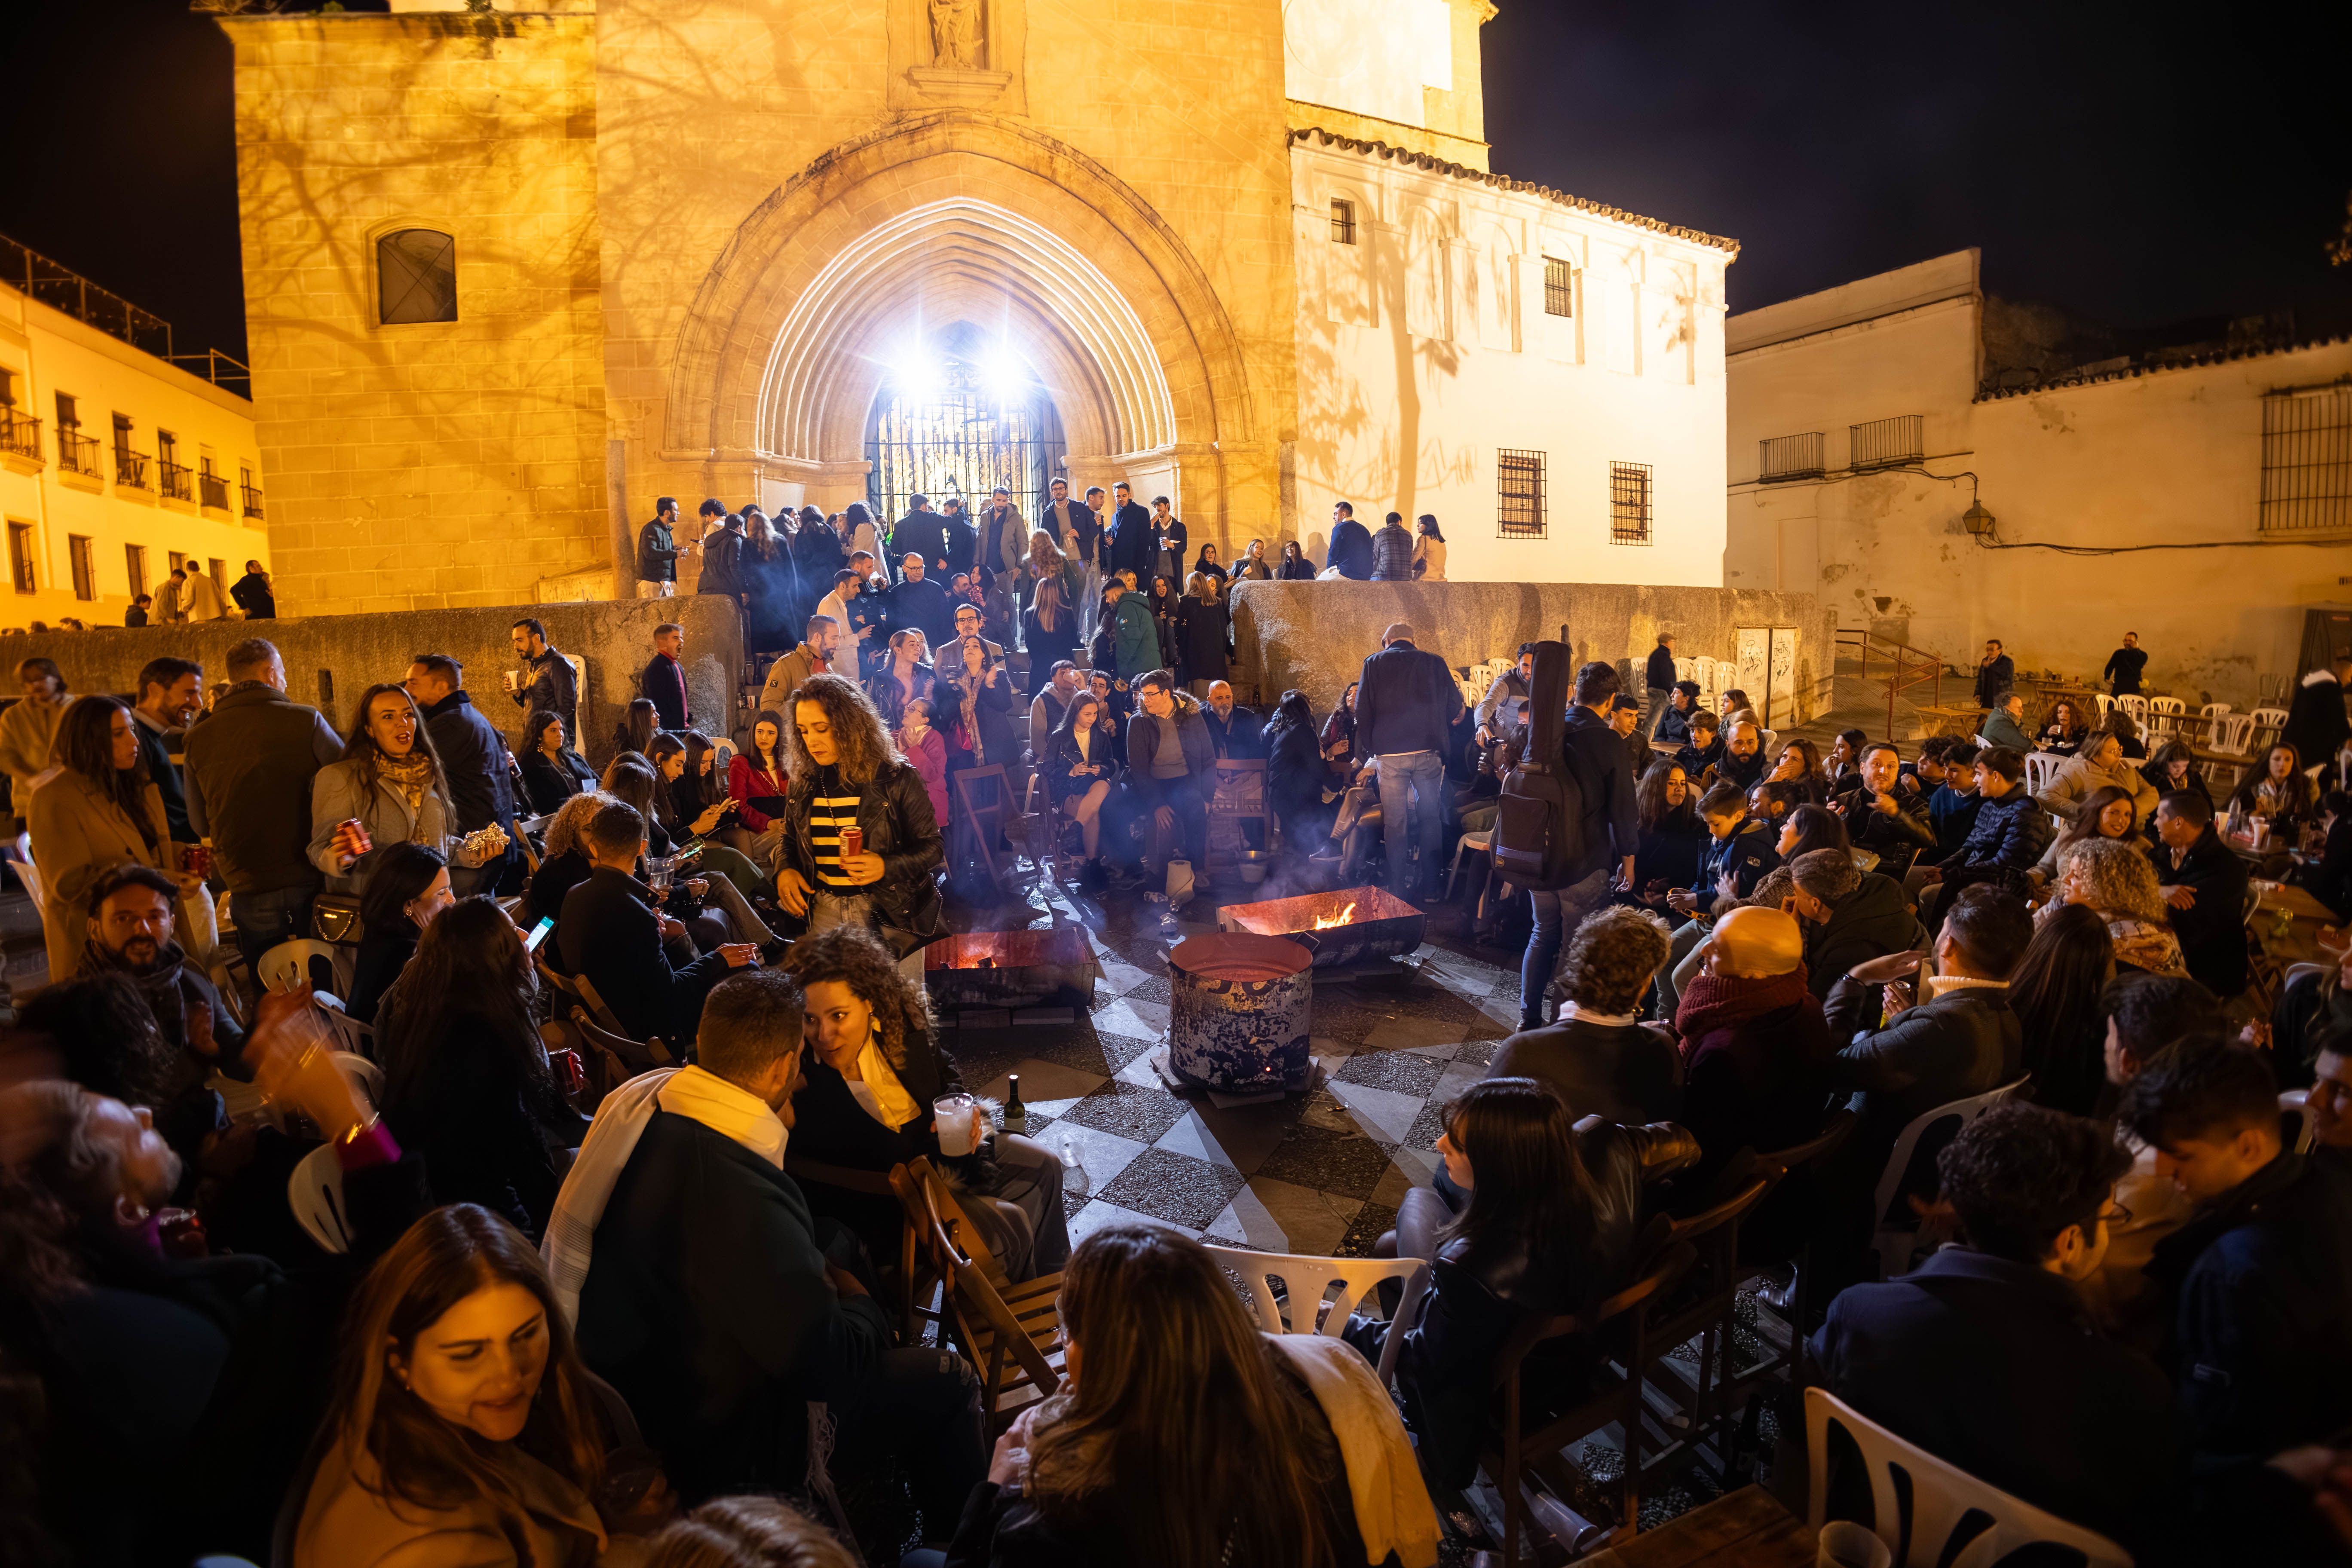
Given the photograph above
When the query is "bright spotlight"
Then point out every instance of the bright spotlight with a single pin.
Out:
(914, 373)
(1007, 373)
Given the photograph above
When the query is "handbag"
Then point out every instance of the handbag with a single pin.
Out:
(335, 917)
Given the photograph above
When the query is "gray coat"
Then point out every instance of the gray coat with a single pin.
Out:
(336, 795)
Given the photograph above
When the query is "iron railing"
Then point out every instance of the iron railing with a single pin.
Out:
(1518, 494)
(1906, 668)
(1629, 503)
(60, 287)
(222, 369)
(1887, 443)
(174, 479)
(2307, 459)
(1785, 457)
(20, 434)
(77, 453)
(212, 490)
(252, 501)
(130, 469)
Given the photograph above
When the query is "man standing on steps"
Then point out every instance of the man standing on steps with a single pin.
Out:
(658, 551)
(2124, 667)
(1660, 680)
(1996, 673)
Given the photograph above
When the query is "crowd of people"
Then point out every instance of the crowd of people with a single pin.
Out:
(583, 1318)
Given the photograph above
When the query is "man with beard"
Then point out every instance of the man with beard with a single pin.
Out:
(131, 934)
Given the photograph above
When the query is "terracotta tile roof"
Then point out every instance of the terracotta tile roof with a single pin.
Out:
(1731, 248)
(2157, 364)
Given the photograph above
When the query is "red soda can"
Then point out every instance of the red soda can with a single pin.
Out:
(853, 842)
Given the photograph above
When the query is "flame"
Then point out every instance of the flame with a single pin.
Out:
(1325, 922)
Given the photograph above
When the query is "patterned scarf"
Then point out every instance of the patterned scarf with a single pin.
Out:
(412, 775)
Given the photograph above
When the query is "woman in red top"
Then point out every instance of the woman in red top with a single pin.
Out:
(756, 779)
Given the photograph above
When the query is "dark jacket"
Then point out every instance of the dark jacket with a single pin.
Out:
(1995, 1367)
(1746, 772)
(1673, 725)
(173, 985)
(249, 765)
(548, 784)
(2212, 930)
(1595, 757)
(1062, 755)
(2316, 724)
(1873, 920)
(2261, 1285)
(1756, 1054)
(656, 553)
(817, 554)
(252, 595)
(1896, 840)
(1240, 734)
(831, 1127)
(922, 607)
(1748, 855)
(155, 750)
(480, 1124)
(609, 932)
(1350, 550)
(1669, 854)
(1445, 1366)
(1204, 634)
(1947, 1047)
(1994, 678)
(664, 683)
(2005, 842)
(1294, 776)
(474, 755)
(992, 713)
(2327, 879)
(550, 688)
(1129, 544)
(707, 1306)
(2122, 669)
(552, 883)
(722, 564)
(1406, 703)
(1628, 1073)
(1953, 816)
(923, 534)
(1143, 743)
(1660, 671)
(1392, 553)
(895, 811)
(384, 954)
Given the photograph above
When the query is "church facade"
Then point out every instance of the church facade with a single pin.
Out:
(512, 275)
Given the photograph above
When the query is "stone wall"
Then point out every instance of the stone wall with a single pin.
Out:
(331, 659)
(1315, 635)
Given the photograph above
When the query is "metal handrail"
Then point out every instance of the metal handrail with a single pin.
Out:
(1907, 667)
(77, 453)
(174, 479)
(130, 468)
(20, 434)
(252, 499)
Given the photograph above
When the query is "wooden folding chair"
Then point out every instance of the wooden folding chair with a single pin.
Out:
(1683, 1396)
(1010, 1333)
(982, 805)
(873, 1183)
(596, 1023)
(1238, 796)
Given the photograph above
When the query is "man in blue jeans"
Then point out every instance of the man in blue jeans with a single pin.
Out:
(1405, 703)
(1596, 759)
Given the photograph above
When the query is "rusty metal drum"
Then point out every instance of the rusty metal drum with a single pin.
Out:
(1239, 1012)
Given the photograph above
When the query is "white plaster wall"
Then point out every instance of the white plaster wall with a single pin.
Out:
(1424, 348)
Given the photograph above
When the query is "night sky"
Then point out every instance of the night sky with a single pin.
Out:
(2136, 165)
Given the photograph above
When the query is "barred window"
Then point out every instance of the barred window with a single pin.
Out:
(1559, 289)
(2306, 460)
(1343, 222)
(20, 555)
(1519, 494)
(1629, 503)
(416, 277)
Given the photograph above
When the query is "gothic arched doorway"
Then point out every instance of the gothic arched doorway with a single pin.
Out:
(957, 416)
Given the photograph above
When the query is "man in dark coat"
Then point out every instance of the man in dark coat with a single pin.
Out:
(1610, 830)
(2005, 840)
(962, 539)
(664, 681)
(133, 910)
(610, 934)
(1406, 701)
(2259, 1280)
(474, 757)
(1986, 1358)
(2123, 665)
(2317, 726)
(1234, 731)
(253, 595)
(1170, 763)
(920, 603)
(2205, 883)
(547, 683)
(658, 551)
(1855, 916)
(1996, 673)
(722, 560)
(1603, 1061)
(721, 1308)
(1890, 823)
(921, 533)
(171, 694)
(1351, 549)
(1129, 544)
(1658, 676)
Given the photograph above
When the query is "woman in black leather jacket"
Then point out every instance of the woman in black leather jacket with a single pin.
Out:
(1553, 1207)
(835, 748)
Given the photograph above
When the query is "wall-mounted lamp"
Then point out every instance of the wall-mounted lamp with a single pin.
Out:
(1976, 521)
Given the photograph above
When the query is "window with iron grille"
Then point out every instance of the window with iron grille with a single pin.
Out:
(1559, 288)
(1629, 503)
(2307, 461)
(1789, 457)
(20, 555)
(85, 570)
(68, 412)
(1886, 443)
(1518, 494)
(1343, 222)
(134, 562)
(416, 277)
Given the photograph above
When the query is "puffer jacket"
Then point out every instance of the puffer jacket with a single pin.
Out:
(1445, 1366)
(2006, 842)
(895, 811)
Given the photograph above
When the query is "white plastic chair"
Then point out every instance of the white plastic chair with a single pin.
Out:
(2105, 702)
(2298, 1101)
(1943, 1497)
(2232, 734)
(1894, 1245)
(1309, 1280)
(2212, 710)
(2040, 770)
(315, 1193)
(1479, 843)
(2133, 703)
(2165, 713)
(288, 964)
(2269, 718)
(1686, 669)
(365, 1076)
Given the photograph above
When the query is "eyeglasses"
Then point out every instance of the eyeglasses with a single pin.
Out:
(2114, 1213)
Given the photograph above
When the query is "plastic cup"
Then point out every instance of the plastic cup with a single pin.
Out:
(1845, 1544)
(953, 1113)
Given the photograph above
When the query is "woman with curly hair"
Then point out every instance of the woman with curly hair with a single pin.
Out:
(871, 1072)
(2061, 733)
(2116, 880)
(845, 774)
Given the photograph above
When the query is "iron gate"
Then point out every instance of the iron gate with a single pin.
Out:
(962, 438)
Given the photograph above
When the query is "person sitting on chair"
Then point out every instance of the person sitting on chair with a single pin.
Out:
(610, 934)
(1172, 764)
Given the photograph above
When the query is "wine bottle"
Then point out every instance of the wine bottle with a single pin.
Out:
(1016, 1115)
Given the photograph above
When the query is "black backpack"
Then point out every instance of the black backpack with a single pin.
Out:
(1539, 839)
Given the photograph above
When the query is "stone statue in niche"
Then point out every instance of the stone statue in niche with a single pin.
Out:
(957, 41)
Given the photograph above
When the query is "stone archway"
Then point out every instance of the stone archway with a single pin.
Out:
(961, 216)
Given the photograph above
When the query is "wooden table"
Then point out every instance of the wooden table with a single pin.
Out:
(2302, 944)
(1747, 1529)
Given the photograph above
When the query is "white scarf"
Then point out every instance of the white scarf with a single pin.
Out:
(730, 1111)
(1393, 1512)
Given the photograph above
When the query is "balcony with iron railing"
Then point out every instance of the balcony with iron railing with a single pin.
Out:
(77, 453)
(211, 490)
(175, 481)
(1785, 457)
(252, 499)
(130, 469)
(20, 439)
(1887, 443)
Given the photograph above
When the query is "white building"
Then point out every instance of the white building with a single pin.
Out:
(115, 464)
(1859, 414)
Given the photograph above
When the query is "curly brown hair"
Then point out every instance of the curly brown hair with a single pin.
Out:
(857, 730)
(857, 959)
(1611, 959)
